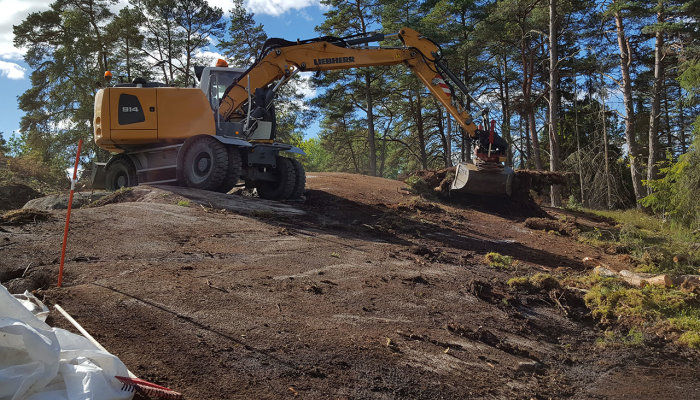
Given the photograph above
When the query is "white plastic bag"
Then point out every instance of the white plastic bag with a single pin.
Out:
(34, 305)
(38, 362)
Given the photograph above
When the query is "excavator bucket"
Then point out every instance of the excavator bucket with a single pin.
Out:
(470, 179)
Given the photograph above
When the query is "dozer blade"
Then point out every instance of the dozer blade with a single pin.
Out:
(483, 182)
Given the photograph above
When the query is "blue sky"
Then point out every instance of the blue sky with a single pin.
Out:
(289, 19)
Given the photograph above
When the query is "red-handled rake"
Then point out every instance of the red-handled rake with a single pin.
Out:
(148, 389)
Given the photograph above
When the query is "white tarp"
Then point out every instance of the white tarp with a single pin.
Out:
(38, 362)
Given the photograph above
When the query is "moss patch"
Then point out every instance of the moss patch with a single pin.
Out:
(535, 283)
(670, 313)
(497, 260)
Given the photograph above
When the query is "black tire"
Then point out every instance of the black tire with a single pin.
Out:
(233, 173)
(283, 186)
(120, 173)
(300, 182)
(205, 164)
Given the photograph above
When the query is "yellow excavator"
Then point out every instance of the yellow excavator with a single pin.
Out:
(223, 132)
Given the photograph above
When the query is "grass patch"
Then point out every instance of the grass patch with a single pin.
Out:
(656, 246)
(183, 203)
(497, 260)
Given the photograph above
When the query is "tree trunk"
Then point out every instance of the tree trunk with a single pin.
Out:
(352, 150)
(529, 107)
(528, 142)
(370, 126)
(504, 96)
(625, 62)
(441, 131)
(681, 121)
(128, 61)
(448, 139)
(506, 113)
(417, 110)
(524, 143)
(578, 146)
(655, 101)
(555, 192)
(606, 153)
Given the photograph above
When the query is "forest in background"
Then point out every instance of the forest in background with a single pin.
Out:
(606, 90)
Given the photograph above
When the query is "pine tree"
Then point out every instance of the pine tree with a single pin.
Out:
(247, 37)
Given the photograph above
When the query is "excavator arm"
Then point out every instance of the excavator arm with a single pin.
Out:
(282, 59)
(249, 98)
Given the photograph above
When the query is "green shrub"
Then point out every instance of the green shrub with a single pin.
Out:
(675, 194)
(573, 203)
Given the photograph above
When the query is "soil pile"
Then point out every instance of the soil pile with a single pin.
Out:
(437, 183)
(549, 225)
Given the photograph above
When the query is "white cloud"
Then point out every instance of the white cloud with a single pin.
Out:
(225, 5)
(304, 87)
(11, 70)
(277, 7)
(14, 12)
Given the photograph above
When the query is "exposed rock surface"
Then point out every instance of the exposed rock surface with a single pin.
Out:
(60, 201)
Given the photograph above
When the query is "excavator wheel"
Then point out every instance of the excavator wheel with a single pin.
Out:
(300, 182)
(120, 173)
(205, 164)
(284, 184)
(234, 170)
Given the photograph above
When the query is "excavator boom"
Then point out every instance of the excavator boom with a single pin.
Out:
(249, 96)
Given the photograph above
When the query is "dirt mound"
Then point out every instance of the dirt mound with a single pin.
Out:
(548, 224)
(437, 183)
(15, 195)
(24, 216)
(431, 182)
(526, 181)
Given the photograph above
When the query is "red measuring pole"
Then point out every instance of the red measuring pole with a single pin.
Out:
(70, 204)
